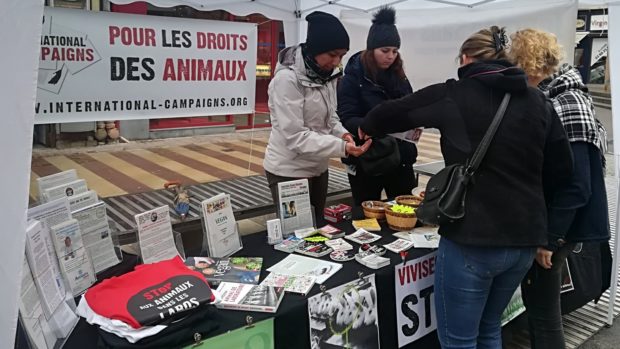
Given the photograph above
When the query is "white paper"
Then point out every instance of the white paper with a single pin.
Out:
(415, 301)
(220, 226)
(412, 136)
(79, 201)
(425, 240)
(339, 244)
(30, 310)
(300, 265)
(54, 180)
(50, 288)
(399, 245)
(96, 236)
(294, 205)
(77, 186)
(73, 257)
(155, 235)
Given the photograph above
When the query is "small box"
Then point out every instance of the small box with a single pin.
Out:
(337, 213)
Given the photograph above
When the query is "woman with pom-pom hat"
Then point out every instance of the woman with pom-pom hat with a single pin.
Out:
(373, 76)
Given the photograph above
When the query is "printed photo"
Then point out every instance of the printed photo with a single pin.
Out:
(345, 316)
(288, 209)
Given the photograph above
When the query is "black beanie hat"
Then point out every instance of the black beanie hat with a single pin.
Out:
(325, 33)
(383, 32)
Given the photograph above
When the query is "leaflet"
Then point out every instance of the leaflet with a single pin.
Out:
(155, 235)
(299, 265)
(220, 226)
(54, 180)
(74, 260)
(50, 288)
(96, 236)
(294, 205)
(412, 136)
(79, 201)
(77, 186)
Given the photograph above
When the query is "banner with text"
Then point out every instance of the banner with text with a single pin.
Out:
(101, 65)
(415, 303)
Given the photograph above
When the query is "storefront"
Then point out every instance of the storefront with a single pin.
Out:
(591, 51)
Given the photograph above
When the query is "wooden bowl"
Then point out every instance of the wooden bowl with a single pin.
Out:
(409, 200)
(400, 221)
(374, 209)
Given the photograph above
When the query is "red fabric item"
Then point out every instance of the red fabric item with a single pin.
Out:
(150, 294)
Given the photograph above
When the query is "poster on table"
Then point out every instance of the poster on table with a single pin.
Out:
(345, 316)
(415, 302)
(204, 67)
(294, 205)
(255, 336)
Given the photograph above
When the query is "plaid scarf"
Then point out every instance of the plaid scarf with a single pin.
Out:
(573, 104)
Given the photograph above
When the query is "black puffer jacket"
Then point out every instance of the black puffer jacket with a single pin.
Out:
(505, 205)
(358, 94)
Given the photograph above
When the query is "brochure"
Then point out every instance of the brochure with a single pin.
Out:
(339, 244)
(155, 235)
(299, 265)
(96, 236)
(249, 297)
(399, 245)
(301, 284)
(220, 227)
(294, 205)
(362, 236)
(245, 270)
(74, 260)
(370, 224)
(314, 249)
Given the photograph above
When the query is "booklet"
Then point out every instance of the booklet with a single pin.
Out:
(301, 284)
(249, 297)
(244, 270)
(370, 224)
(299, 265)
(331, 232)
(361, 236)
(290, 244)
(399, 245)
(294, 205)
(339, 244)
(220, 227)
(314, 249)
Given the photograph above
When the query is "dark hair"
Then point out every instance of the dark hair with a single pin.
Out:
(371, 68)
(486, 44)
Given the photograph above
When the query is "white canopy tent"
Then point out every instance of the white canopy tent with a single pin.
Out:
(429, 22)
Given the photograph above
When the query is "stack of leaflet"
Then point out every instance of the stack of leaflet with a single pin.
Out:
(372, 260)
(144, 302)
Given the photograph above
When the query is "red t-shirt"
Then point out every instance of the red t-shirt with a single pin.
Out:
(150, 294)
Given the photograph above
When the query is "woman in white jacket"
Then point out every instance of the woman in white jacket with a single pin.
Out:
(306, 131)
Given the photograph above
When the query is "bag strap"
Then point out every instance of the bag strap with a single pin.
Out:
(476, 159)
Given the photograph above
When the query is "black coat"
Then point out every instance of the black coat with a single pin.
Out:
(505, 205)
(358, 94)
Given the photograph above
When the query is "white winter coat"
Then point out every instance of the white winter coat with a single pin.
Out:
(306, 131)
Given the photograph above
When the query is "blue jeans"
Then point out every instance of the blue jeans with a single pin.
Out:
(473, 286)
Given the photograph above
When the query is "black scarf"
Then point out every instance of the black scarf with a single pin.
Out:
(314, 72)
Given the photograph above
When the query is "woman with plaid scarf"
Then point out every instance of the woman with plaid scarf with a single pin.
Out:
(577, 211)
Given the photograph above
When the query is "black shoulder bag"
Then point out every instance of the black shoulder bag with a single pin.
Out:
(444, 199)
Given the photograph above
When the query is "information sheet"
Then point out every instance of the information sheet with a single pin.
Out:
(96, 236)
(155, 235)
(294, 205)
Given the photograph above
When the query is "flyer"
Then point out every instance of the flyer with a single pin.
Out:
(155, 235)
(220, 227)
(299, 265)
(70, 189)
(73, 258)
(294, 205)
(54, 180)
(96, 235)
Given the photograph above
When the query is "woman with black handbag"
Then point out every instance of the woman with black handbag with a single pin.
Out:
(373, 76)
(577, 211)
(484, 255)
